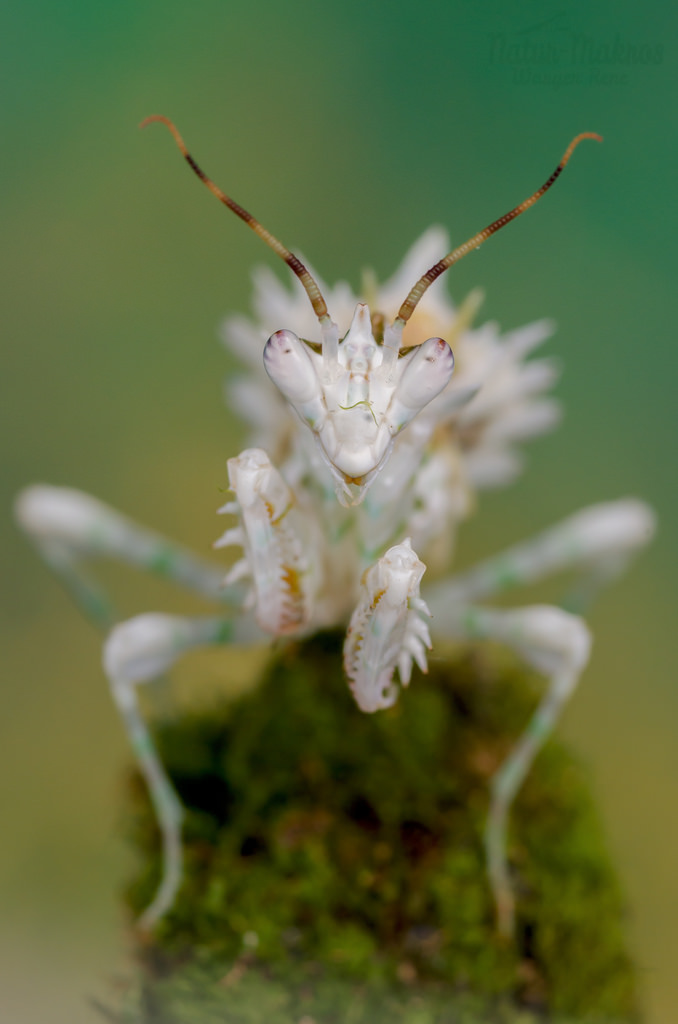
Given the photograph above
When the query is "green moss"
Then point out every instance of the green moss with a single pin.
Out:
(335, 868)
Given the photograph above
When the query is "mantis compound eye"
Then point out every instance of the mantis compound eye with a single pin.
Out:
(427, 373)
(289, 365)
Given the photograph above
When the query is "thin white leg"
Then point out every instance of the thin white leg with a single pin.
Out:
(556, 644)
(138, 651)
(599, 541)
(69, 527)
(168, 809)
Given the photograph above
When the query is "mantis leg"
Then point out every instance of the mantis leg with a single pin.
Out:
(69, 527)
(138, 651)
(557, 644)
(599, 541)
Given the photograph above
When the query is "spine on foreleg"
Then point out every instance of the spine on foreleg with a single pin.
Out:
(274, 558)
(387, 630)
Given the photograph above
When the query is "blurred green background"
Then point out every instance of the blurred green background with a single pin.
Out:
(347, 128)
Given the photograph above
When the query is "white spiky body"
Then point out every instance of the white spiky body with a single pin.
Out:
(405, 448)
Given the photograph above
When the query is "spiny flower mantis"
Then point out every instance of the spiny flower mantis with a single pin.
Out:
(380, 452)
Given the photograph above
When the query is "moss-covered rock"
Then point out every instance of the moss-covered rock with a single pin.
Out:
(335, 867)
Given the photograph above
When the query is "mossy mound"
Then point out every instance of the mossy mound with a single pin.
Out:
(335, 868)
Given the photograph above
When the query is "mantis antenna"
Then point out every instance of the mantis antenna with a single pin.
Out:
(292, 261)
(410, 303)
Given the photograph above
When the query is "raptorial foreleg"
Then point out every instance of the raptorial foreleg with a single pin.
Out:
(275, 539)
(387, 629)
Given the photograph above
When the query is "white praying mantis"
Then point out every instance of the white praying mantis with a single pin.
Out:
(380, 456)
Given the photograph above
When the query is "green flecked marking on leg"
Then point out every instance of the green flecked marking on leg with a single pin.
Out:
(96, 607)
(143, 745)
(471, 623)
(224, 633)
(505, 782)
(90, 598)
(506, 575)
(163, 562)
(540, 725)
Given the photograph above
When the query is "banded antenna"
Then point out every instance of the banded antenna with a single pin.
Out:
(292, 261)
(426, 280)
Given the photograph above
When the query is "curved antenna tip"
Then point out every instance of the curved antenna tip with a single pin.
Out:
(576, 140)
(427, 279)
(153, 117)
